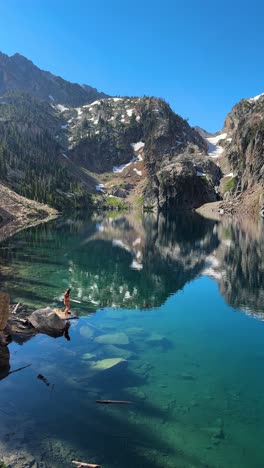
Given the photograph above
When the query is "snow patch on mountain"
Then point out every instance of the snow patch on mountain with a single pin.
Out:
(137, 171)
(215, 150)
(100, 188)
(137, 146)
(61, 108)
(255, 98)
(117, 169)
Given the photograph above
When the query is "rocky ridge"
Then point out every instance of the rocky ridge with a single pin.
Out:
(140, 146)
(60, 146)
(17, 73)
(241, 157)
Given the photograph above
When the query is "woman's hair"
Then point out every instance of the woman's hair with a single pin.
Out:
(68, 291)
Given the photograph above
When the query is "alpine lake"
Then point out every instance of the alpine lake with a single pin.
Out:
(170, 320)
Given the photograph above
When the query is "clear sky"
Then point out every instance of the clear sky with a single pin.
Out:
(202, 56)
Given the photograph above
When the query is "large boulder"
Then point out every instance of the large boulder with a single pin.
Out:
(47, 321)
(107, 364)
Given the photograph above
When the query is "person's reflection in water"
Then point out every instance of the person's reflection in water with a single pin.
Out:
(66, 331)
(4, 362)
(4, 337)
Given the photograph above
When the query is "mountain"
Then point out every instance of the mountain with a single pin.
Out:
(240, 156)
(245, 125)
(31, 156)
(17, 73)
(69, 146)
(134, 149)
(140, 147)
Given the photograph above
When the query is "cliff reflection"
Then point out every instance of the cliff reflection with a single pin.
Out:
(134, 262)
(239, 265)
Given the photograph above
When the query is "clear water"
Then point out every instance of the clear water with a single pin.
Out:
(188, 295)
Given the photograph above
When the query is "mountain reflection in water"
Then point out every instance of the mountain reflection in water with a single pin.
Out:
(134, 262)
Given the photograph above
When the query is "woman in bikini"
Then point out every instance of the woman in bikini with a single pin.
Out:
(67, 301)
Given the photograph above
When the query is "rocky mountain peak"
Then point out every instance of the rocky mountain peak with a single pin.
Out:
(19, 73)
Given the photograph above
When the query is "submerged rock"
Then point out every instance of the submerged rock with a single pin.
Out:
(106, 364)
(86, 331)
(137, 393)
(88, 356)
(186, 376)
(113, 339)
(157, 339)
(47, 321)
(135, 330)
(112, 350)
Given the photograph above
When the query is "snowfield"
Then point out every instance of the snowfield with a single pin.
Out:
(214, 150)
(137, 146)
(117, 169)
(100, 188)
(61, 108)
(256, 98)
(137, 171)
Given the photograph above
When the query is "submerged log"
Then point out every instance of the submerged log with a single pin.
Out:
(86, 465)
(19, 369)
(115, 402)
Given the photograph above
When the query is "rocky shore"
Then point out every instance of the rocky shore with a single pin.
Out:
(17, 213)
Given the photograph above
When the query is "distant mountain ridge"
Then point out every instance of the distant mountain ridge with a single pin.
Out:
(17, 73)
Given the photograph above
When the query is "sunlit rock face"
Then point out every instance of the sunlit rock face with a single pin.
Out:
(242, 159)
(144, 144)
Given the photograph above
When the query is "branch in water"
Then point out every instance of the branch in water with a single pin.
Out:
(19, 369)
(87, 465)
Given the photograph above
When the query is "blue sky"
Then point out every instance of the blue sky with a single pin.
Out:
(201, 56)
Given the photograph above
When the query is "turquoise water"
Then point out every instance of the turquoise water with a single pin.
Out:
(177, 305)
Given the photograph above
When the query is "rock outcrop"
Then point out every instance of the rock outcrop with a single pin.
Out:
(145, 148)
(47, 321)
(241, 161)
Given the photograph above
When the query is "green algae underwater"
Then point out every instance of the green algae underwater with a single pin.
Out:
(171, 319)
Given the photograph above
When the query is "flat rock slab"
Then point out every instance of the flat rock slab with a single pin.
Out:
(135, 331)
(88, 356)
(47, 321)
(112, 350)
(113, 339)
(156, 338)
(106, 364)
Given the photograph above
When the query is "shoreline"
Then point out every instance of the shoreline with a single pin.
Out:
(9, 228)
(18, 213)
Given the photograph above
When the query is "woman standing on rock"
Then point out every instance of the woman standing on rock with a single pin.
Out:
(67, 301)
